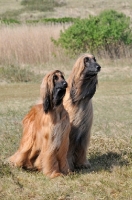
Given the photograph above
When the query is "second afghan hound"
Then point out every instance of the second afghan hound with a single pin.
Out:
(78, 102)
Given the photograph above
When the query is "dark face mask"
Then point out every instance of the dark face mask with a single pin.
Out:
(59, 91)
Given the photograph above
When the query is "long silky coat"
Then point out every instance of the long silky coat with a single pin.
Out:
(45, 140)
(78, 102)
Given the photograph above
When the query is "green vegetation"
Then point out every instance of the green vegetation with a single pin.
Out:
(54, 20)
(9, 21)
(62, 20)
(17, 74)
(109, 32)
(15, 10)
(59, 20)
(13, 16)
(41, 5)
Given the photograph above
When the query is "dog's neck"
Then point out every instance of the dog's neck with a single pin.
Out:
(83, 90)
(57, 113)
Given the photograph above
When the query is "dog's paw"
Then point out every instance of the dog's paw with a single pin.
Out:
(56, 174)
(85, 165)
(8, 162)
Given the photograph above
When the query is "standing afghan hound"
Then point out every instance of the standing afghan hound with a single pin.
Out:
(45, 140)
(78, 102)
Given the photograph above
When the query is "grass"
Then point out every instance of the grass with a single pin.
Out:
(16, 74)
(41, 5)
(27, 44)
(69, 8)
(110, 151)
(27, 52)
(7, 5)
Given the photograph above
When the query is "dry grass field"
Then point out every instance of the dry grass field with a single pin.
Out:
(24, 47)
(72, 8)
(110, 152)
(27, 44)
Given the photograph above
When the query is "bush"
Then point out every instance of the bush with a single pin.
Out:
(107, 31)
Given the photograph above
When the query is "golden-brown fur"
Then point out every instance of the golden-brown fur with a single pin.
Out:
(78, 102)
(46, 128)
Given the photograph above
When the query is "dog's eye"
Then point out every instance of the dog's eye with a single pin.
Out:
(86, 59)
(94, 59)
(62, 76)
(55, 77)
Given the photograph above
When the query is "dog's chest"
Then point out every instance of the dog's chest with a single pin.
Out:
(59, 132)
(83, 115)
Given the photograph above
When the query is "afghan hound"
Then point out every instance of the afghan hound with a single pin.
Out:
(78, 102)
(45, 140)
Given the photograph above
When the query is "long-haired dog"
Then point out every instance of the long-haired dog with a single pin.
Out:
(46, 128)
(78, 102)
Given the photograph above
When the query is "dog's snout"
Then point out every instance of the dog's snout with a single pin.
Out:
(64, 84)
(98, 68)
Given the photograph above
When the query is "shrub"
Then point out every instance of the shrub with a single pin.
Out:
(107, 31)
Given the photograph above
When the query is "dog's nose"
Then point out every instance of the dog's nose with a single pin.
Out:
(65, 84)
(98, 68)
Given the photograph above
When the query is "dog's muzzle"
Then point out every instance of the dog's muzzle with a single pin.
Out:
(98, 68)
(60, 92)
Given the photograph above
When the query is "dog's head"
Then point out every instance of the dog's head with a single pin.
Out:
(83, 79)
(91, 67)
(52, 90)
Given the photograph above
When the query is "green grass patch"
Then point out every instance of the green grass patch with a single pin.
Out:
(8, 21)
(54, 20)
(41, 5)
(16, 74)
(11, 15)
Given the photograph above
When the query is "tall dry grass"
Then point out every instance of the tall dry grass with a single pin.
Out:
(31, 44)
(28, 44)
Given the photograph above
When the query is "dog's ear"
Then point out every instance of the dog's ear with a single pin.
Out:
(46, 103)
(46, 98)
(46, 94)
(73, 92)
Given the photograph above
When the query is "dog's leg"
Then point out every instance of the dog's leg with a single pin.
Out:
(18, 159)
(21, 157)
(71, 159)
(34, 156)
(62, 157)
(80, 155)
(63, 163)
(64, 166)
(50, 166)
(81, 160)
(38, 162)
